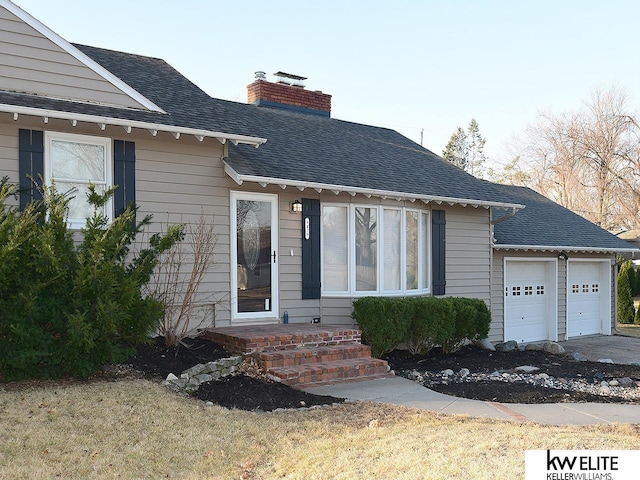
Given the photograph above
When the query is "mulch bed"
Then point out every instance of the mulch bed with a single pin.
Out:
(245, 392)
(236, 391)
(484, 361)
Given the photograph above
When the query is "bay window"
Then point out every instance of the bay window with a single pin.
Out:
(374, 250)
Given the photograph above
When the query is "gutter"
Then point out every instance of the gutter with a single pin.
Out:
(549, 248)
(505, 217)
(367, 192)
(153, 128)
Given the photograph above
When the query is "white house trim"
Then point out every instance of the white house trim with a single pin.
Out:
(551, 248)
(368, 192)
(176, 131)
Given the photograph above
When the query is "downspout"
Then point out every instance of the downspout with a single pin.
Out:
(514, 210)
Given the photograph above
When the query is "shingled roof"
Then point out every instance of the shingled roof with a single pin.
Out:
(545, 225)
(314, 151)
(302, 149)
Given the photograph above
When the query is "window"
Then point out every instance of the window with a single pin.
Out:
(75, 161)
(372, 249)
(528, 290)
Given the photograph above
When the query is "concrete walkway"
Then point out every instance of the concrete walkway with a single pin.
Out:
(400, 391)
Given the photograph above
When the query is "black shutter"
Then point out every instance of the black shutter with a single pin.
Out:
(31, 164)
(310, 248)
(124, 175)
(438, 250)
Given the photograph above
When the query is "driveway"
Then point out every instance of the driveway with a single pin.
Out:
(619, 348)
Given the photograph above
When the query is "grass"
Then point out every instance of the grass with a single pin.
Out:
(630, 330)
(138, 429)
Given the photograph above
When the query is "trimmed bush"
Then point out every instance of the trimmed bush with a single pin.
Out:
(472, 321)
(420, 322)
(385, 322)
(430, 325)
(67, 309)
(626, 312)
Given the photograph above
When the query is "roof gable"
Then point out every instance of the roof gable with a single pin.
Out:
(37, 61)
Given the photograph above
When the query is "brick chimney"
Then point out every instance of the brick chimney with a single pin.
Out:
(288, 93)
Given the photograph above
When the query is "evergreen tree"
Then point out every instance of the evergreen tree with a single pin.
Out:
(626, 311)
(465, 149)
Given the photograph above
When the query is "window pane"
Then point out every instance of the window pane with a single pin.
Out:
(366, 249)
(425, 251)
(79, 208)
(335, 249)
(78, 161)
(392, 248)
(412, 250)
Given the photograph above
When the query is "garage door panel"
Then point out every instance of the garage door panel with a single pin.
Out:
(586, 294)
(527, 301)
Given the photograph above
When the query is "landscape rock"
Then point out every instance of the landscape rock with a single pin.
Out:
(533, 346)
(625, 382)
(553, 348)
(485, 344)
(463, 372)
(171, 377)
(579, 357)
(509, 346)
(447, 373)
(614, 383)
(605, 360)
(527, 369)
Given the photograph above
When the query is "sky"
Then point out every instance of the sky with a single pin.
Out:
(412, 66)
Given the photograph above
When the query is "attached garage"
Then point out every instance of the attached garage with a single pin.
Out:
(530, 299)
(588, 297)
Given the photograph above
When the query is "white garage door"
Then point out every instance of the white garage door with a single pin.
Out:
(529, 300)
(588, 293)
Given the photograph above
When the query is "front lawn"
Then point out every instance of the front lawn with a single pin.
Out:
(138, 429)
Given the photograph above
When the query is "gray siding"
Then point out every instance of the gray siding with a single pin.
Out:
(32, 63)
(468, 247)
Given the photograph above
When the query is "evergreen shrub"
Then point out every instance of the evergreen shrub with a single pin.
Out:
(68, 306)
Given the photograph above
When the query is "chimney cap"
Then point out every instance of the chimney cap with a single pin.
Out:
(260, 75)
(289, 75)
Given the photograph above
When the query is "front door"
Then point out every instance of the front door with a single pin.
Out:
(254, 247)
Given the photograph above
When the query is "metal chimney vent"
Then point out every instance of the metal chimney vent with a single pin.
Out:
(290, 79)
(260, 75)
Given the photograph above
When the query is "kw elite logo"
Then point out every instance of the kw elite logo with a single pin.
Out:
(581, 464)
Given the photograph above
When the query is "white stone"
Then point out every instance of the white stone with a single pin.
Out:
(605, 360)
(171, 377)
(579, 357)
(614, 383)
(463, 372)
(527, 369)
(447, 373)
(553, 348)
(485, 344)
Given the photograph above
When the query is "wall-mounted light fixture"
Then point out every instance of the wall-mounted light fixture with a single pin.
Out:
(295, 206)
(563, 256)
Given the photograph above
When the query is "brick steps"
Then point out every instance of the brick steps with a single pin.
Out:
(330, 372)
(303, 354)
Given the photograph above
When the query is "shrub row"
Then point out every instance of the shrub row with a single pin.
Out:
(420, 322)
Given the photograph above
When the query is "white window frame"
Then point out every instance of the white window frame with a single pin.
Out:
(105, 142)
(351, 247)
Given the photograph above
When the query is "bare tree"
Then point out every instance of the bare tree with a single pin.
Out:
(587, 161)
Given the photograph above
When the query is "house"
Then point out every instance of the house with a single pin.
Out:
(310, 211)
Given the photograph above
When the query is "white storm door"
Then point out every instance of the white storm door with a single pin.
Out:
(254, 257)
